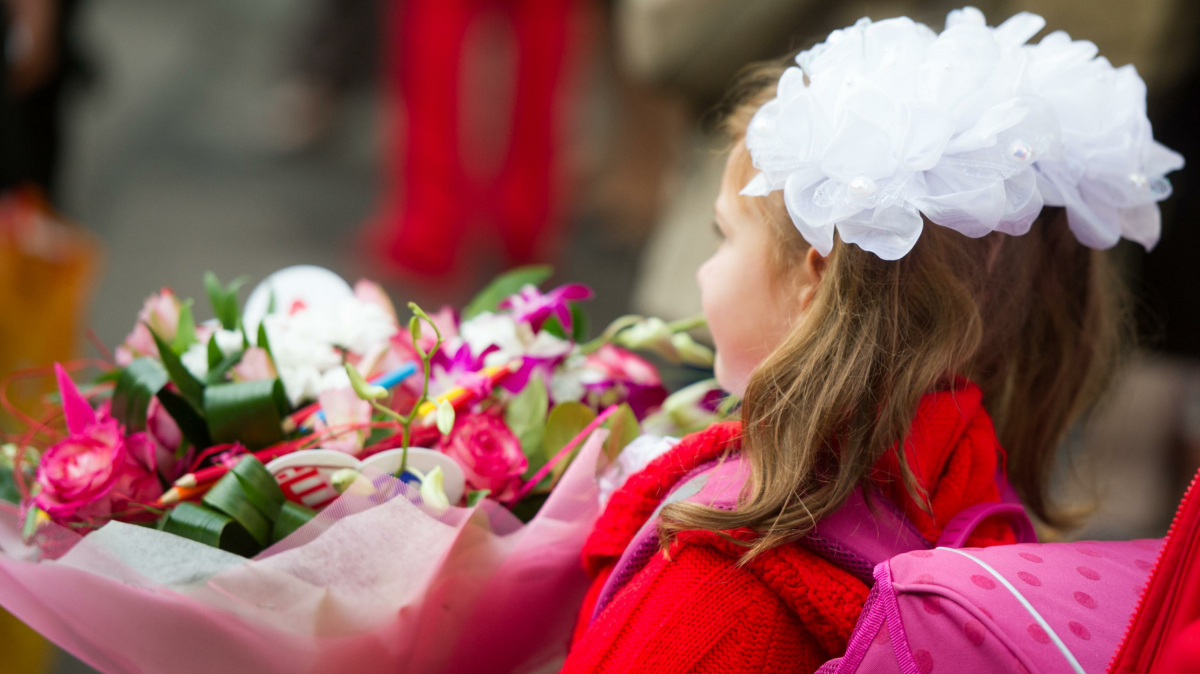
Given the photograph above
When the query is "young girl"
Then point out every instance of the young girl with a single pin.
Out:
(910, 299)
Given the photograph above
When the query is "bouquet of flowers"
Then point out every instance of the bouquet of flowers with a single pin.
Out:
(310, 484)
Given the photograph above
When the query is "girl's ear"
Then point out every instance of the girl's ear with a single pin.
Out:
(813, 269)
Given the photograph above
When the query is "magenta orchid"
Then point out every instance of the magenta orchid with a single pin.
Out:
(462, 368)
(532, 307)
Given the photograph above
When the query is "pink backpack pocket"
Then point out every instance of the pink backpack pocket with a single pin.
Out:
(1026, 608)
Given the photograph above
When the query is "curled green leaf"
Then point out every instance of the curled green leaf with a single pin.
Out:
(210, 527)
(292, 516)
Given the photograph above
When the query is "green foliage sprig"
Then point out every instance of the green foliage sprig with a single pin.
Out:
(373, 394)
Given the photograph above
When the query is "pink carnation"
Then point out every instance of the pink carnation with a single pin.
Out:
(489, 453)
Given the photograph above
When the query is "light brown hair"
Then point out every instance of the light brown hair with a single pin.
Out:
(1038, 321)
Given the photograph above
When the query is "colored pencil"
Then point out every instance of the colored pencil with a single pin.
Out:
(216, 472)
(386, 380)
(460, 395)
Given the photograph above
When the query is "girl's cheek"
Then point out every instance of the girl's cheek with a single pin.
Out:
(708, 278)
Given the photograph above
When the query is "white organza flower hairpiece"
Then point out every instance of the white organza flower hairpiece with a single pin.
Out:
(973, 128)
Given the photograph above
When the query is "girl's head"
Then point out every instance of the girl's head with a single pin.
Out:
(832, 352)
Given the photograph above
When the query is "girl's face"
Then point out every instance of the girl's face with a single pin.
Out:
(750, 306)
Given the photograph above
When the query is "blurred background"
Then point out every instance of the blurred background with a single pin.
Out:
(429, 144)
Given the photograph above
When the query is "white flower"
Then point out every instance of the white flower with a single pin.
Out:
(488, 329)
(195, 359)
(566, 384)
(513, 339)
(229, 341)
(884, 122)
(308, 345)
(632, 459)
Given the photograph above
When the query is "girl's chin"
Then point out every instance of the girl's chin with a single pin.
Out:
(730, 382)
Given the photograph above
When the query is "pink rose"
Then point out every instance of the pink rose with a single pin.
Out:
(160, 312)
(489, 453)
(80, 470)
(96, 471)
(137, 481)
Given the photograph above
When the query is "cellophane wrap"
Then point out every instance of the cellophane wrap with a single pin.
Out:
(377, 582)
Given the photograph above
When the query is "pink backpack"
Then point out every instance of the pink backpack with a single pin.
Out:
(1027, 608)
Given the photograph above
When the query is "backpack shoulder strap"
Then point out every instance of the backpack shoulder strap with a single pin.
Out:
(959, 529)
(867, 530)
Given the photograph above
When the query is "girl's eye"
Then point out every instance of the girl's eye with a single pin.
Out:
(717, 230)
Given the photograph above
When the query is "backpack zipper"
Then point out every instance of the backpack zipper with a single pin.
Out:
(1172, 531)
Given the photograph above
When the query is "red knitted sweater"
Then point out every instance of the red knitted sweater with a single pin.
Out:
(788, 610)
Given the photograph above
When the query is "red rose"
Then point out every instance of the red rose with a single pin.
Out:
(489, 453)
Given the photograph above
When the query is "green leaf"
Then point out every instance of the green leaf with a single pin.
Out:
(526, 417)
(216, 373)
(224, 300)
(292, 516)
(191, 424)
(379, 434)
(504, 285)
(8, 486)
(260, 486)
(263, 342)
(622, 428)
(137, 384)
(579, 323)
(185, 330)
(565, 421)
(529, 506)
(214, 352)
(473, 498)
(229, 497)
(191, 389)
(554, 327)
(210, 527)
(109, 377)
(249, 412)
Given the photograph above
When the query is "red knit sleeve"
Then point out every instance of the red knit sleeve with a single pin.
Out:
(697, 613)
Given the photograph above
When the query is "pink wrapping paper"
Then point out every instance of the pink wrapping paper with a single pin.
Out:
(375, 583)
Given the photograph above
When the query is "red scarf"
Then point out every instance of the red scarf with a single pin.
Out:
(952, 449)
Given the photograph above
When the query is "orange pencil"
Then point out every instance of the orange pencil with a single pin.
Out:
(178, 494)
